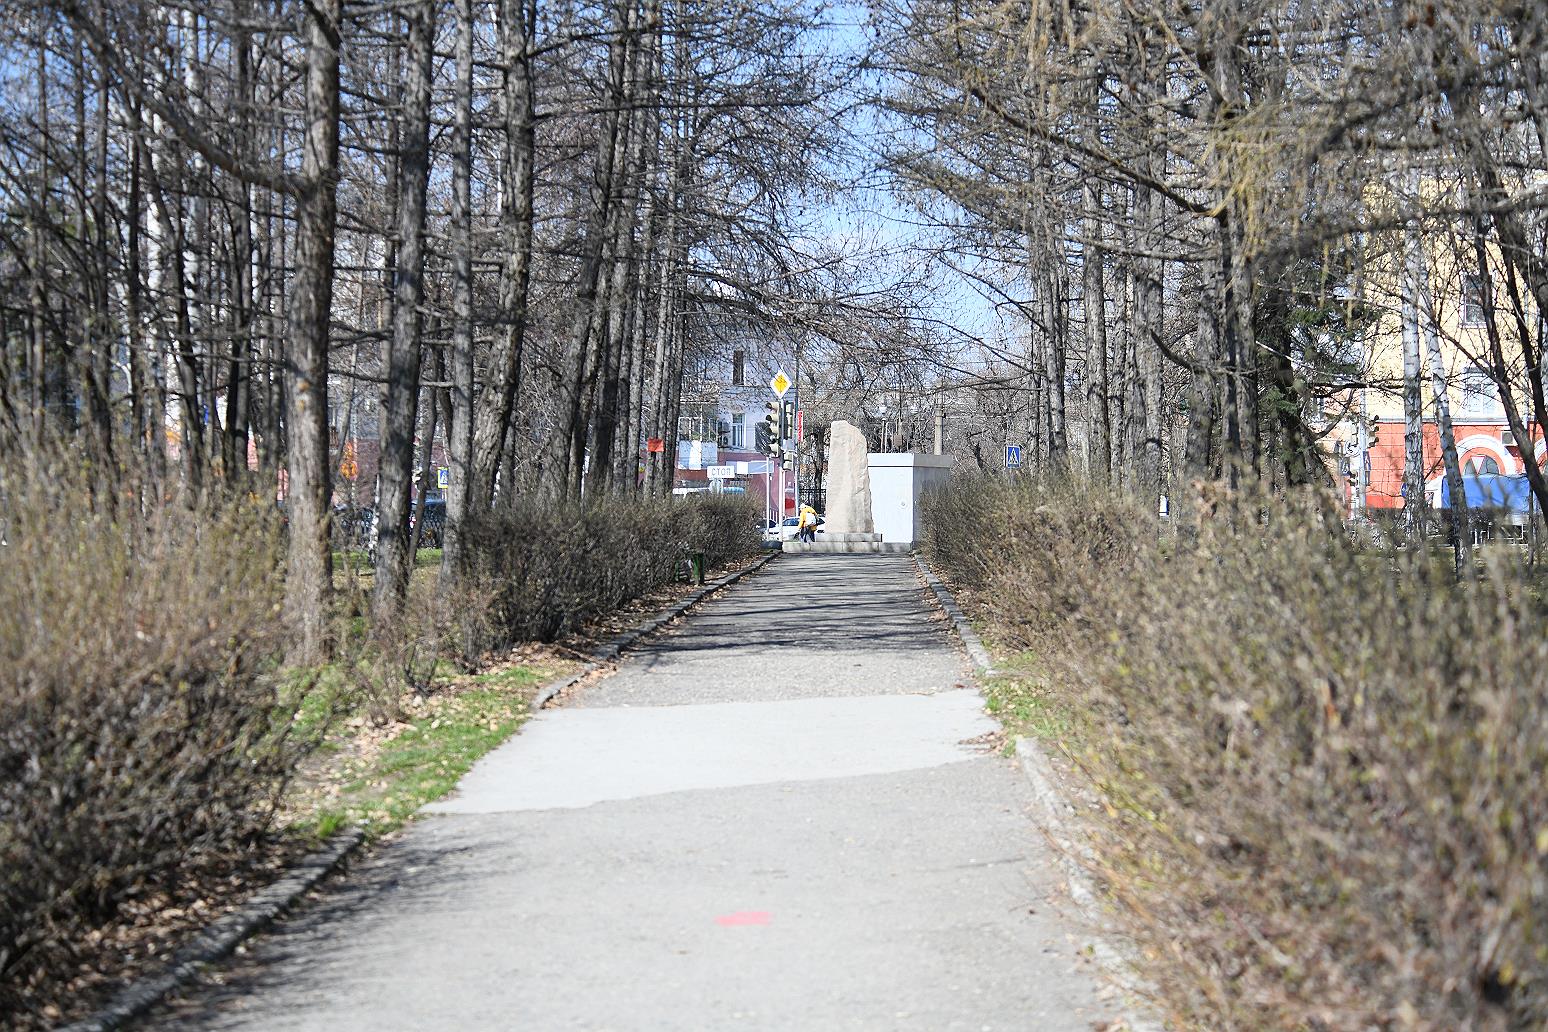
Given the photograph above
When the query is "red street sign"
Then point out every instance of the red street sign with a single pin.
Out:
(655, 444)
(799, 414)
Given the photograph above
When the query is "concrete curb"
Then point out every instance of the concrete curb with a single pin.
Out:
(613, 647)
(1056, 811)
(970, 640)
(221, 937)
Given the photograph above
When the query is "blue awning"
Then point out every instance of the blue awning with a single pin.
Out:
(1492, 491)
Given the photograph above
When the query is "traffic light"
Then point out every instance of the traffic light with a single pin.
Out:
(771, 433)
(786, 419)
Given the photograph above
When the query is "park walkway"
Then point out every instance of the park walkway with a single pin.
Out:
(770, 817)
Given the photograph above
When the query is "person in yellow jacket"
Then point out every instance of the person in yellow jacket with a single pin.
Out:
(807, 524)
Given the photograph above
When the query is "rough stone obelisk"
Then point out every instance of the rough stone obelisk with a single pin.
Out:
(849, 481)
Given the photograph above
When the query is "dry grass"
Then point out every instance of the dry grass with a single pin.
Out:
(1321, 769)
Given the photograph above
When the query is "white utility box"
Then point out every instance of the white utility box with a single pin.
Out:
(897, 481)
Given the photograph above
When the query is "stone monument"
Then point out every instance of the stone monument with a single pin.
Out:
(849, 481)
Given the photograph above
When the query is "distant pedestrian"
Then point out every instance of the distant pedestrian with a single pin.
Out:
(807, 524)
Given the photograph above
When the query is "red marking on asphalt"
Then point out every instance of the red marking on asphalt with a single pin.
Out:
(743, 917)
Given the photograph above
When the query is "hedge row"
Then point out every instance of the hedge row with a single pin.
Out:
(142, 730)
(1323, 765)
(540, 571)
(147, 729)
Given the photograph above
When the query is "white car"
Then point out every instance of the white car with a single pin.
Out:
(787, 530)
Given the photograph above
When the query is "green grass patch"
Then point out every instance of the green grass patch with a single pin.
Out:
(1022, 700)
(355, 561)
(424, 760)
(358, 561)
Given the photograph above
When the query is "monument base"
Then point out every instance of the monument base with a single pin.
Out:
(850, 543)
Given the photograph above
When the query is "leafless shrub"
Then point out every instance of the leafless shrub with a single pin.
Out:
(143, 726)
(402, 658)
(1323, 768)
(538, 571)
(723, 527)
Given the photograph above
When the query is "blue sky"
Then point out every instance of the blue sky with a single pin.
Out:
(869, 217)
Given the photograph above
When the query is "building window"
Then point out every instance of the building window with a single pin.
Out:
(738, 422)
(1472, 300)
(738, 364)
(1484, 464)
(1479, 394)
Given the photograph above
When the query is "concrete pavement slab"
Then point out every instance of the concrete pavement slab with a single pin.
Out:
(770, 828)
(856, 903)
(804, 626)
(576, 757)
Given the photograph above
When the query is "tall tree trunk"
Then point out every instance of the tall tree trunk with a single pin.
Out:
(97, 379)
(1149, 311)
(626, 467)
(498, 398)
(1055, 321)
(150, 403)
(309, 579)
(460, 494)
(394, 558)
(626, 453)
(1037, 403)
(1094, 287)
(596, 425)
(39, 374)
(426, 475)
(191, 446)
(566, 444)
(1418, 290)
(239, 374)
(1203, 389)
(1297, 450)
(660, 467)
(1413, 419)
(612, 395)
(1231, 347)
(673, 385)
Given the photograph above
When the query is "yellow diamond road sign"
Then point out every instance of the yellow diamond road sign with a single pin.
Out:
(780, 383)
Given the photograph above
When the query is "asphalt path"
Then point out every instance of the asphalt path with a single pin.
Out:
(778, 814)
